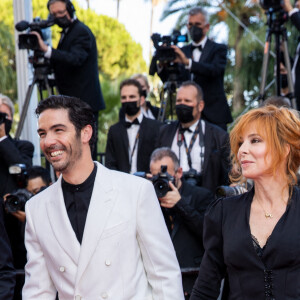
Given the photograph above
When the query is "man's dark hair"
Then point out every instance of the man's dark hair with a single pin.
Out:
(133, 82)
(160, 153)
(80, 113)
(196, 86)
(38, 171)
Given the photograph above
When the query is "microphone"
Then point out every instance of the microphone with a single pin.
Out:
(22, 25)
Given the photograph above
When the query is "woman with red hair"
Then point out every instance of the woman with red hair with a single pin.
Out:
(254, 238)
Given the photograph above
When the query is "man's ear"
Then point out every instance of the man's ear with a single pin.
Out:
(86, 134)
(179, 173)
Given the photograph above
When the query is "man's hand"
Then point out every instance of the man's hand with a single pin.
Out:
(171, 198)
(42, 44)
(180, 56)
(287, 6)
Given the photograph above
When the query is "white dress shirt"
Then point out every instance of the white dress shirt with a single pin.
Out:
(132, 133)
(195, 153)
(196, 52)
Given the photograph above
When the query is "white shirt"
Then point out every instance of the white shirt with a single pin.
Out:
(195, 153)
(148, 113)
(132, 133)
(196, 52)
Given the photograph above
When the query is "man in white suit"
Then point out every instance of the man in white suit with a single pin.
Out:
(95, 233)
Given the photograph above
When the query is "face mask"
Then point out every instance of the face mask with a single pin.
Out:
(144, 93)
(184, 113)
(196, 33)
(8, 124)
(130, 108)
(63, 22)
(284, 80)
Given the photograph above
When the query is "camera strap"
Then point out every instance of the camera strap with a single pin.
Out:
(133, 149)
(188, 149)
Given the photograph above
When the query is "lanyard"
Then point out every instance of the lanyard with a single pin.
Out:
(188, 149)
(134, 147)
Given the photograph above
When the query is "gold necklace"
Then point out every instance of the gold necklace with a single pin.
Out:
(267, 215)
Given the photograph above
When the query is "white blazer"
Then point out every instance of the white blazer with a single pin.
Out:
(126, 252)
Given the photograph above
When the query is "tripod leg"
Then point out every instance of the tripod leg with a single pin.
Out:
(163, 105)
(289, 72)
(25, 108)
(265, 66)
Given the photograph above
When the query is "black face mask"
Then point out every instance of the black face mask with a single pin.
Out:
(130, 108)
(184, 113)
(196, 33)
(63, 22)
(144, 93)
(8, 124)
(284, 81)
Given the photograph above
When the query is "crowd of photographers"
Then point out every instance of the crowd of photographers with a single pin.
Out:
(187, 160)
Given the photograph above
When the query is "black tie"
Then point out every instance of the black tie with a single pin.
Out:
(135, 121)
(184, 129)
(197, 47)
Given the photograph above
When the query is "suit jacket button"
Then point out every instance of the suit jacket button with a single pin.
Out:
(104, 295)
(107, 262)
(62, 269)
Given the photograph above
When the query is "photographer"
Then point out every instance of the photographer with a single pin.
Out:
(202, 148)
(75, 59)
(204, 62)
(294, 15)
(183, 208)
(37, 178)
(11, 151)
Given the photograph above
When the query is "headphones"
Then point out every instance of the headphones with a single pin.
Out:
(69, 5)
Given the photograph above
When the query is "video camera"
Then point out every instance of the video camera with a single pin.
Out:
(271, 4)
(30, 41)
(164, 52)
(159, 181)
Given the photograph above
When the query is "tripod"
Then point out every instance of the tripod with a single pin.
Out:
(40, 77)
(168, 95)
(275, 23)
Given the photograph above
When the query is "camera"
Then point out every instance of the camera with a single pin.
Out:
(164, 52)
(192, 177)
(228, 191)
(159, 181)
(271, 4)
(30, 41)
(19, 171)
(16, 201)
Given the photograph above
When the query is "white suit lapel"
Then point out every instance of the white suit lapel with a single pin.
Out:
(102, 201)
(60, 223)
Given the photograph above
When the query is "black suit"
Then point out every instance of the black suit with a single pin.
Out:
(187, 230)
(76, 67)
(295, 18)
(117, 156)
(229, 248)
(209, 74)
(7, 272)
(13, 152)
(216, 163)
